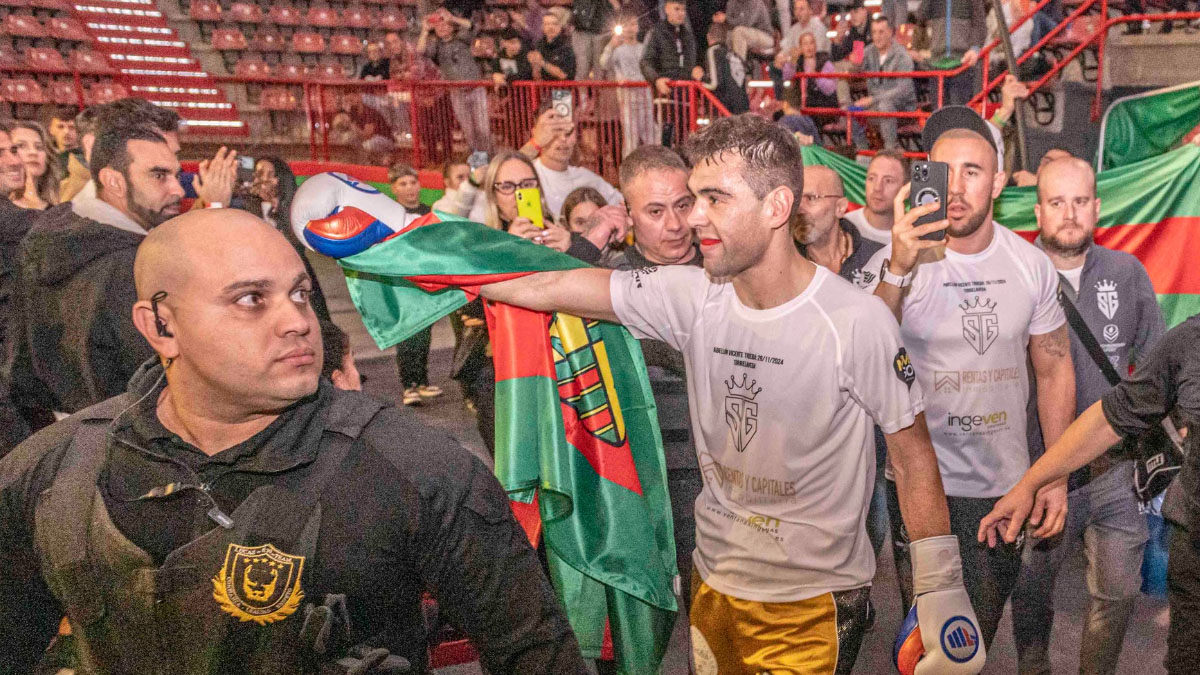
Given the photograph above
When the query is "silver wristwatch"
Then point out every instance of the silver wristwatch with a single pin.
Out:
(897, 280)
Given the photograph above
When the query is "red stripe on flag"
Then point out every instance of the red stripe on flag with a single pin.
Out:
(1160, 246)
(612, 462)
(520, 342)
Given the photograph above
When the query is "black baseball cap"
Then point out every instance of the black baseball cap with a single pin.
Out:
(855, 4)
(954, 117)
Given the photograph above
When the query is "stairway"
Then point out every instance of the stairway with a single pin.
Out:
(154, 64)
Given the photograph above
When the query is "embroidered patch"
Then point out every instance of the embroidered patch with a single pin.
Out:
(903, 367)
(259, 583)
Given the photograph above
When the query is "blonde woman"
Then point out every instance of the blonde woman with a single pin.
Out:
(41, 175)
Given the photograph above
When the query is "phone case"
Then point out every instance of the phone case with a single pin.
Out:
(529, 205)
(930, 181)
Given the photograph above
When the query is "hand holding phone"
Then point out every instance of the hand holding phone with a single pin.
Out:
(930, 183)
(529, 205)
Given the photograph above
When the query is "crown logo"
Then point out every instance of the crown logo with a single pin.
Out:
(979, 305)
(1106, 286)
(742, 390)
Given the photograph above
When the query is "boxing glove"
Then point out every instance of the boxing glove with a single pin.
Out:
(941, 634)
(339, 216)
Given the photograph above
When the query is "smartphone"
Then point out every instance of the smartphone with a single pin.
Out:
(930, 183)
(245, 170)
(562, 102)
(529, 205)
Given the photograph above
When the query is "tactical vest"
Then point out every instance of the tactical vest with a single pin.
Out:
(229, 601)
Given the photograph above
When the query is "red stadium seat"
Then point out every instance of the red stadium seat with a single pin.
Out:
(285, 15)
(92, 63)
(205, 10)
(14, 3)
(228, 40)
(56, 5)
(279, 99)
(45, 58)
(306, 42)
(8, 57)
(359, 17)
(345, 45)
(292, 71)
(23, 25)
(268, 41)
(65, 28)
(105, 92)
(62, 92)
(252, 67)
(328, 71)
(22, 90)
(244, 12)
(391, 18)
(323, 17)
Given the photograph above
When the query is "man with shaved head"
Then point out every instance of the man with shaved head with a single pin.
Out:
(238, 508)
(973, 310)
(1112, 293)
(823, 235)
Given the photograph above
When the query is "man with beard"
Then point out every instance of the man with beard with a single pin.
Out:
(886, 174)
(781, 570)
(974, 309)
(74, 343)
(1113, 295)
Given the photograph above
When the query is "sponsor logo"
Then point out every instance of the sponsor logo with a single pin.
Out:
(1111, 332)
(1107, 299)
(259, 583)
(979, 381)
(642, 272)
(904, 368)
(741, 411)
(862, 278)
(982, 422)
(960, 639)
(980, 325)
(946, 380)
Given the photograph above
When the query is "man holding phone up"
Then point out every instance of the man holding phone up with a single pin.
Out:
(971, 309)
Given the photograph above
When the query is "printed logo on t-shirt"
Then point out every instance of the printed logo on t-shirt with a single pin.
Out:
(1107, 298)
(904, 368)
(741, 411)
(643, 272)
(1111, 332)
(977, 424)
(980, 324)
(862, 278)
(988, 380)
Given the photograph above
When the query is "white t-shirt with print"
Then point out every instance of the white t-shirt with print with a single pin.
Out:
(558, 185)
(782, 402)
(966, 322)
(858, 218)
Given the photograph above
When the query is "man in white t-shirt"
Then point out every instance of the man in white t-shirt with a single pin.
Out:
(886, 174)
(973, 309)
(788, 368)
(551, 145)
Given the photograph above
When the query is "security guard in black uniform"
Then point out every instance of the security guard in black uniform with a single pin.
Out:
(233, 513)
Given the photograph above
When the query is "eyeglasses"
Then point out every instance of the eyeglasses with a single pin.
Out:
(508, 187)
(809, 198)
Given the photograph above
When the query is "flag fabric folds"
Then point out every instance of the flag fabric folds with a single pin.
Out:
(576, 428)
(1148, 124)
(1150, 209)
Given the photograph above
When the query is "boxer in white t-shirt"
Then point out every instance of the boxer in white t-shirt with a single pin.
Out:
(972, 310)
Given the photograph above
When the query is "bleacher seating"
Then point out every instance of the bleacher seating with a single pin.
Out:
(60, 6)
(89, 62)
(228, 39)
(252, 67)
(322, 17)
(205, 11)
(68, 29)
(105, 92)
(359, 17)
(22, 90)
(62, 92)
(345, 45)
(24, 25)
(284, 15)
(268, 40)
(45, 58)
(279, 99)
(307, 42)
(328, 71)
(244, 12)
(391, 18)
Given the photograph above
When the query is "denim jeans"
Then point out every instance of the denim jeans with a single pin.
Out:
(1103, 517)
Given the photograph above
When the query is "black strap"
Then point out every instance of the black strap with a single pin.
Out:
(1085, 334)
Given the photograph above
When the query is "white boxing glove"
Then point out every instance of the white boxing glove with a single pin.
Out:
(941, 635)
(325, 194)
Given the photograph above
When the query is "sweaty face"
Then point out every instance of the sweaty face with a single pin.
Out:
(12, 169)
(819, 204)
(551, 27)
(65, 136)
(153, 191)
(31, 149)
(972, 182)
(1067, 208)
(456, 175)
(243, 322)
(659, 203)
(727, 217)
(885, 177)
(513, 171)
(408, 191)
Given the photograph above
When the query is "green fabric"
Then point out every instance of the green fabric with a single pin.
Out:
(854, 175)
(428, 195)
(1149, 125)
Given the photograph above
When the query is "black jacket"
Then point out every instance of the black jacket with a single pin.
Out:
(593, 16)
(842, 50)
(406, 510)
(558, 52)
(670, 52)
(73, 340)
(14, 225)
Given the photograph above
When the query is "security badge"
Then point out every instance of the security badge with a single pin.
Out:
(259, 583)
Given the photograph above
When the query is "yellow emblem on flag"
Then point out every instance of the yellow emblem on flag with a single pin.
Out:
(259, 583)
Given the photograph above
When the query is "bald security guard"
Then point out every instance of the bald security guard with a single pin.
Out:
(233, 512)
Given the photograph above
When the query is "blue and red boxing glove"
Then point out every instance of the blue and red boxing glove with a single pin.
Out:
(339, 216)
(941, 634)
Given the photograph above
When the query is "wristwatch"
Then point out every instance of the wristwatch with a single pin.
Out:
(897, 280)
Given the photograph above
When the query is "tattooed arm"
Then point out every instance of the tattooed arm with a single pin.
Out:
(1055, 375)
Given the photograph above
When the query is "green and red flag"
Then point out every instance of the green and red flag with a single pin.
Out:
(577, 438)
(1150, 209)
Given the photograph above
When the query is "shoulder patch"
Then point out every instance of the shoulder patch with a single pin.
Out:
(259, 583)
(903, 368)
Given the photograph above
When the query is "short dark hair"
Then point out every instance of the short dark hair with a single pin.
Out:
(892, 153)
(85, 121)
(336, 344)
(112, 146)
(794, 96)
(400, 170)
(51, 112)
(648, 158)
(450, 164)
(769, 153)
(136, 112)
(718, 33)
(880, 18)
